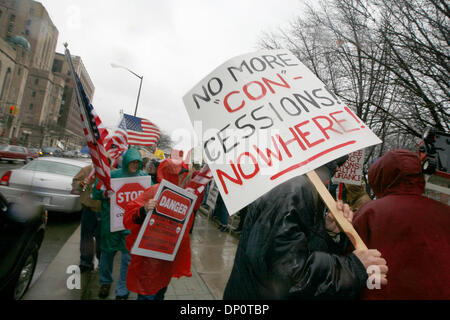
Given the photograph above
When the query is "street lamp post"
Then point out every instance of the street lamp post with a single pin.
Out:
(140, 85)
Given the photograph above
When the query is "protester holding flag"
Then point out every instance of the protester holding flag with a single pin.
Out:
(149, 277)
(111, 242)
(290, 250)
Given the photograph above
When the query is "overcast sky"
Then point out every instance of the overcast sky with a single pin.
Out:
(173, 44)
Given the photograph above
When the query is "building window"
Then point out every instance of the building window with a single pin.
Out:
(19, 71)
(12, 18)
(33, 94)
(57, 66)
(5, 83)
(31, 106)
(36, 81)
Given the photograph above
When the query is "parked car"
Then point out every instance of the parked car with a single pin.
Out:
(33, 152)
(70, 154)
(48, 180)
(52, 152)
(12, 153)
(22, 229)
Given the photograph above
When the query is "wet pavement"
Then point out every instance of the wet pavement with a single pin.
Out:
(213, 254)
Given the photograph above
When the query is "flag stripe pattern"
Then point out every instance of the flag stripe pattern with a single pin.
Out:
(197, 184)
(94, 131)
(141, 131)
(118, 142)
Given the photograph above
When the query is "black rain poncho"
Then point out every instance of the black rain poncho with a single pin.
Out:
(286, 253)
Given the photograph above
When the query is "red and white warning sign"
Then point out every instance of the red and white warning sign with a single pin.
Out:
(125, 190)
(164, 227)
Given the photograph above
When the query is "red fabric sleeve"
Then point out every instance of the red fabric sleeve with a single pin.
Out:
(131, 212)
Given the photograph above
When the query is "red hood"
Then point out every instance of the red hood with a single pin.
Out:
(397, 172)
(169, 170)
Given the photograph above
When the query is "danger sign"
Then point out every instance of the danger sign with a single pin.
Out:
(126, 190)
(266, 118)
(173, 205)
(164, 227)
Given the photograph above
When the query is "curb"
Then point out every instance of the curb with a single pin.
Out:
(52, 284)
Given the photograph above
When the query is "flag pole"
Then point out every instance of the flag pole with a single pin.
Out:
(77, 89)
(87, 124)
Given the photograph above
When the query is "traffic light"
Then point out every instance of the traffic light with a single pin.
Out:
(13, 110)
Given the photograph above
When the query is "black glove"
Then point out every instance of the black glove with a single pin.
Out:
(140, 216)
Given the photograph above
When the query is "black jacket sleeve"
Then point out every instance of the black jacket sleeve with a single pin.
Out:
(305, 272)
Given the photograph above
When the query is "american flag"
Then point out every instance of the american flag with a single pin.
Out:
(94, 131)
(117, 143)
(140, 131)
(197, 184)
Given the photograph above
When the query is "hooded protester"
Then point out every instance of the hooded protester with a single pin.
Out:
(149, 277)
(111, 242)
(289, 249)
(410, 230)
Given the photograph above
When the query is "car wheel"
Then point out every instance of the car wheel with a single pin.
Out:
(25, 274)
(429, 166)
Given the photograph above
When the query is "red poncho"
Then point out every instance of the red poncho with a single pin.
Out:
(146, 276)
(411, 231)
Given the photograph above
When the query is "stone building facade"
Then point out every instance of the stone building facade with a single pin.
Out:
(34, 79)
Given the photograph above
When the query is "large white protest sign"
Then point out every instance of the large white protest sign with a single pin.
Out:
(264, 118)
(125, 190)
(351, 172)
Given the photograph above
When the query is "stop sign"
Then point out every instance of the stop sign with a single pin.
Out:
(128, 192)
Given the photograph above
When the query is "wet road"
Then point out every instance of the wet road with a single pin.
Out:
(59, 228)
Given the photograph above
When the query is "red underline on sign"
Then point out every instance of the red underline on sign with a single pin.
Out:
(301, 164)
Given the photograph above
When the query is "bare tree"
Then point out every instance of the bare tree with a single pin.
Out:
(386, 59)
(165, 142)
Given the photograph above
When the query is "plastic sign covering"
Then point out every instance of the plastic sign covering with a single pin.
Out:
(163, 229)
(264, 118)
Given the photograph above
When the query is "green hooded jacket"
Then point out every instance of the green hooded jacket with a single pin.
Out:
(115, 241)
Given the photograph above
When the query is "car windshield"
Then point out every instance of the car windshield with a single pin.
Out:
(49, 149)
(53, 167)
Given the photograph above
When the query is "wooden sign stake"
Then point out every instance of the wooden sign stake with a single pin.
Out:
(346, 226)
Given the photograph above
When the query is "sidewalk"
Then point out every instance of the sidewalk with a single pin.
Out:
(212, 260)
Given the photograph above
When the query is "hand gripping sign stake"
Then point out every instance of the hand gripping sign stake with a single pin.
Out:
(346, 226)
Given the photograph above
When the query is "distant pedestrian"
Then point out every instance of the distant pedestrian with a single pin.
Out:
(151, 168)
(221, 214)
(111, 242)
(90, 219)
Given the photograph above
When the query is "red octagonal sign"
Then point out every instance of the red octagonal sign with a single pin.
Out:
(128, 192)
